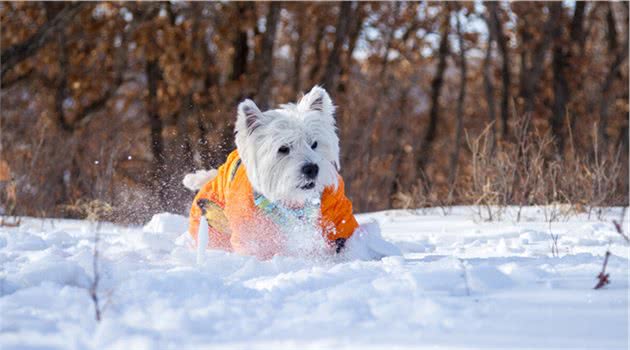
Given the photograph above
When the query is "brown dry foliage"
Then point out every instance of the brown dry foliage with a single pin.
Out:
(116, 101)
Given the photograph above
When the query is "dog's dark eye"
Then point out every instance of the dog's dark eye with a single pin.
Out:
(314, 145)
(283, 150)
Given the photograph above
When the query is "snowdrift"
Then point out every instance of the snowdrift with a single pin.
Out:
(424, 280)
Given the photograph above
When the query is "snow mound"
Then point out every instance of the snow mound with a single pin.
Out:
(368, 244)
(166, 223)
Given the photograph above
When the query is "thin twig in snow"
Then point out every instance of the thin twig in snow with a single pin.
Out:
(618, 226)
(555, 252)
(603, 277)
(94, 286)
(93, 211)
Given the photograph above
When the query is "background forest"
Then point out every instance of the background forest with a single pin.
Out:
(488, 103)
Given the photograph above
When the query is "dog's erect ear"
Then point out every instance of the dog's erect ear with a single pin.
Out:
(316, 100)
(249, 116)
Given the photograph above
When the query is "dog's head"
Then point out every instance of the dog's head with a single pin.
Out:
(291, 153)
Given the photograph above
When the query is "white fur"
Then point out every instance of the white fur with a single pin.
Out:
(196, 180)
(260, 135)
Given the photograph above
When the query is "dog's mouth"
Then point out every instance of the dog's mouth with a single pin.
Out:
(308, 186)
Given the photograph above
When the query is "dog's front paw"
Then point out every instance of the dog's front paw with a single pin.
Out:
(339, 244)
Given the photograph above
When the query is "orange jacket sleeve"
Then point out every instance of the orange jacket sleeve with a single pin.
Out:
(213, 191)
(338, 220)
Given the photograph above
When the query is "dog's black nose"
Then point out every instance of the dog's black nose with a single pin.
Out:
(310, 170)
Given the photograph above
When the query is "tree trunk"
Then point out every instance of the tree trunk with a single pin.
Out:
(560, 85)
(533, 68)
(298, 52)
(488, 83)
(317, 52)
(611, 28)
(577, 24)
(266, 56)
(501, 39)
(62, 83)
(353, 36)
(344, 78)
(452, 176)
(620, 55)
(341, 33)
(209, 79)
(436, 91)
(561, 64)
(241, 49)
(373, 115)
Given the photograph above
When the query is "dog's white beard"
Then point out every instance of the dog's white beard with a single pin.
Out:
(280, 180)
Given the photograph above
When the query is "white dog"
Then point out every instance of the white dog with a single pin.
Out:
(282, 180)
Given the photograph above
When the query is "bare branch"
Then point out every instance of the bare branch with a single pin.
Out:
(603, 277)
(19, 52)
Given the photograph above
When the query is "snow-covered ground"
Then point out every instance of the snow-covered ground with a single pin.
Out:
(459, 284)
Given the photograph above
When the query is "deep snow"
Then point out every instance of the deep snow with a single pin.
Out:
(459, 284)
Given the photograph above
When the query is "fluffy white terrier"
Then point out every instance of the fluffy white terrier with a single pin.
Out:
(280, 192)
(294, 152)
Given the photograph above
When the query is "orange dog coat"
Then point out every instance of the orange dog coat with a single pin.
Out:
(236, 222)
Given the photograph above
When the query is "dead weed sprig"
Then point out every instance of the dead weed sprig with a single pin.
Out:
(528, 170)
(93, 211)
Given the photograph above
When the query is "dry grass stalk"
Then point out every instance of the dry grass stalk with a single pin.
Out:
(603, 278)
(529, 171)
(94, 211)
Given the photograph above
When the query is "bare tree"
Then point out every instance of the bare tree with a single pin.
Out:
(487, 79)
(314, 72)
(299, 50)
(532, 59)
(82, 117)
(373, 114)
(436, 91)
(460, 110)
(500, 37)
(358, 18)
(19, 52)
(561, 63)
(619, 54)
(266, 55)
(333, 66)
(239, 41)
(208, 68)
